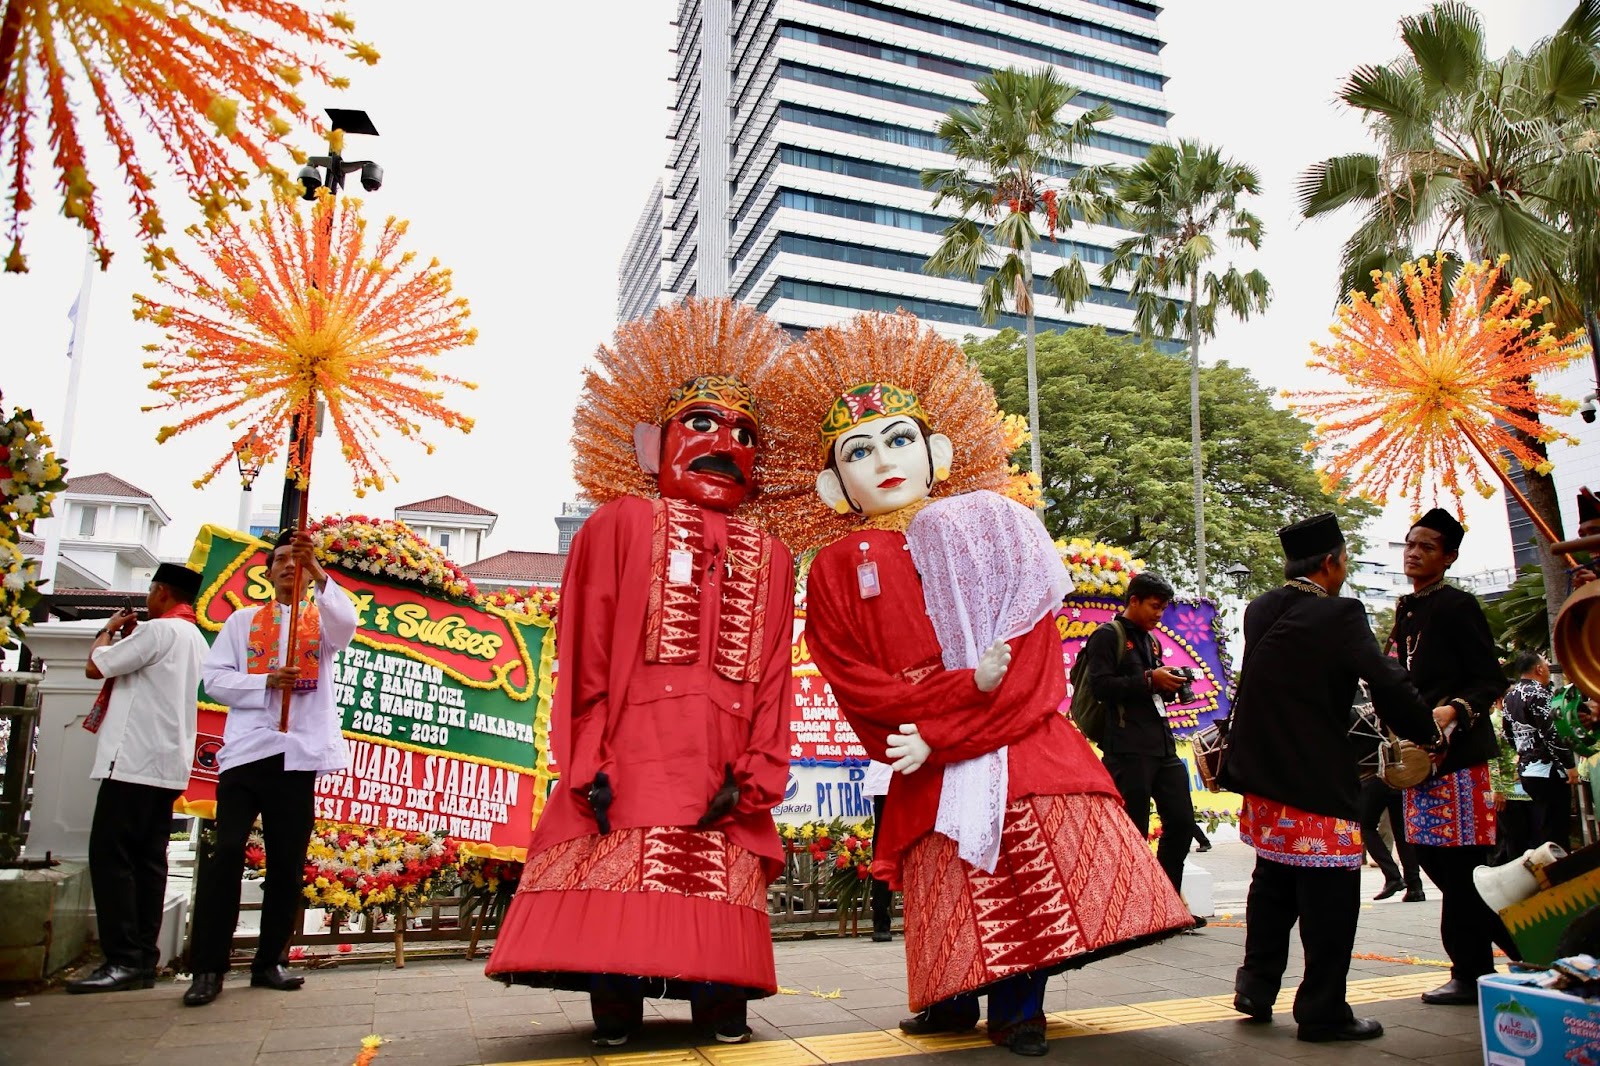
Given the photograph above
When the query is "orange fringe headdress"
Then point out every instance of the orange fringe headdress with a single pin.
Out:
(635, 378)
(892, 349)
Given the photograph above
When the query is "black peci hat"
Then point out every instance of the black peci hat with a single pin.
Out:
(1315, 536)
(1443, 523)
(181, 578)
(1588, 506)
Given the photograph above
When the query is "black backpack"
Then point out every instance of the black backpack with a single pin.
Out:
(1088, 713)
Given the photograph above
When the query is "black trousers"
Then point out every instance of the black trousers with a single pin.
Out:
(284, 800)
(882, 898)
(1551, 810)
(617, 1001)
(1327, 902)
(1164, 779)
(1468, 928)
(128, 869)
(1377, 797)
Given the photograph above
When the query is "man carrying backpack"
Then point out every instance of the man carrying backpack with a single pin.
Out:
(1120, 665)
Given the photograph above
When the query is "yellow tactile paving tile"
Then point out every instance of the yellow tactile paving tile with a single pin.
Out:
(761, 1053)
(674, 1057)
(884, 1044)
(856, 1047)
(1099, 1020)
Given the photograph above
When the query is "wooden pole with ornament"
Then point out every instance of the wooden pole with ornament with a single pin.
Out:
(1437, 380)
(295, 307)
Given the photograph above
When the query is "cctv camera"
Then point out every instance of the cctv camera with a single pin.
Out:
(371, 177)
(1588, 408)
(310, 182)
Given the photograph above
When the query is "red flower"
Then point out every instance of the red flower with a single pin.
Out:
(841, 862)
(864, 872)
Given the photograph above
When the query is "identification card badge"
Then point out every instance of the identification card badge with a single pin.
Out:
(867, 576)
(680, 566)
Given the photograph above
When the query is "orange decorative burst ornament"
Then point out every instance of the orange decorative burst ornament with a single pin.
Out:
(295, 306)
(1436, 384)
(212, 79)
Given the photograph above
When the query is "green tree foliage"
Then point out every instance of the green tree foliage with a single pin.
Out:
(1115, 437)
(1518, 619)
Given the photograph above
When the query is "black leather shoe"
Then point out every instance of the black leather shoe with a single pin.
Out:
(109, 977)
(1028, 1040)
(1390, 888)
(1252, 1009)
(881, 936)
(926, 1024)
(1354, 1029)
(609, 1035)
(276, 977)
(1413, 895)
(149, 974)
(733, 1033)
(1453, 993)
(205, 988)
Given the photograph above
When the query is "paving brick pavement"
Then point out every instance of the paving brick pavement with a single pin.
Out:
(1160, 1005)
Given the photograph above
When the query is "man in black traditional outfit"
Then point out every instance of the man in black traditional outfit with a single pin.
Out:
(1289, 755)
(1442, 639)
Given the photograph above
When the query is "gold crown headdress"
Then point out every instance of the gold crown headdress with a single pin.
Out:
(889, 364)
(864, 403)
(697, 351)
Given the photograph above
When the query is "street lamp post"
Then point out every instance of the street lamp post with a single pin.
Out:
(1237, 575)
(326, 170)
(247, 454)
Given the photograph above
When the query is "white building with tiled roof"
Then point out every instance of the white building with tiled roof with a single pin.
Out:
(514, 569)
(110, 533)
(456, 527)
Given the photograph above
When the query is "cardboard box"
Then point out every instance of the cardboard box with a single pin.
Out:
(1527, 1026)
(1538, 922)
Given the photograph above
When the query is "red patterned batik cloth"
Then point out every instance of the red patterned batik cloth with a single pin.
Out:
(1284, 833)
(1453, 810)
(678, 904)
(1074, 882)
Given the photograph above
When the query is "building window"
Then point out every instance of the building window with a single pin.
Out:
(444, 543)
(86, 517)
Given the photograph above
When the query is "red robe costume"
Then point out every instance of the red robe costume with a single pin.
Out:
(664, 686)
(1074, 880)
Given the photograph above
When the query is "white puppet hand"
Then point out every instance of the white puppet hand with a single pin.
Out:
(992, 666)
(907, 750)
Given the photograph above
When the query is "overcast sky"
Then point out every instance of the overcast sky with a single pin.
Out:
(522, 148)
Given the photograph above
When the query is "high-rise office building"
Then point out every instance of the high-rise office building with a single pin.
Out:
(799, 130)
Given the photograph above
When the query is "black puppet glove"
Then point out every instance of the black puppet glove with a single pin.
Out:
(723, 803)
(600, 796)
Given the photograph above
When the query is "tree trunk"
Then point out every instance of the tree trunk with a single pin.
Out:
(10, 35)
(1033, 386)
(1194, 442)
(1541, 492)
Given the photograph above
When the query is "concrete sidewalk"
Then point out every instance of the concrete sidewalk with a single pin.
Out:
(841, 1001)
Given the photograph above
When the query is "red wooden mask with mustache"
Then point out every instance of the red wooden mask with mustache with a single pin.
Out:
(708, 457)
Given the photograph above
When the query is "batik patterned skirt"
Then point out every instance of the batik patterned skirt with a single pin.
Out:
(1452, 810)
(680, 905)
(1074, 882)
(1284, 833)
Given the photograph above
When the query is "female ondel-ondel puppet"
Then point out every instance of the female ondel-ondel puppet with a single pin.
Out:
(929, 611)
(648, 870)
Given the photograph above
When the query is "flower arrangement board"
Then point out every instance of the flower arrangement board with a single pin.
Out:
(446, 700)
(1189, 637)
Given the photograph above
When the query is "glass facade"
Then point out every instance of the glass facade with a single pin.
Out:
(955, 31)
(801, 131)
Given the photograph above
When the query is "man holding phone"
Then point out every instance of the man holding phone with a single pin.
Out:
(144, 725)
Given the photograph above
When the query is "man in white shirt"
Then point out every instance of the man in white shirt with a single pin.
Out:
(145, 722)
(264, 771)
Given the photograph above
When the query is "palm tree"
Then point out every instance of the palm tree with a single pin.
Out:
(1469, 153)
(1181, 203)
(1012, 154)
